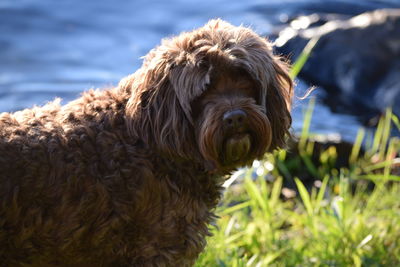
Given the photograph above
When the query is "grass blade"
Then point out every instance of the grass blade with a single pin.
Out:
(305, 196)
(303, 57)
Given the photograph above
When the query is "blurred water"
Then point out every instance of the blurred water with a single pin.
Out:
(54, 49)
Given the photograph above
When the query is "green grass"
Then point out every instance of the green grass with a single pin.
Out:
(351, 218)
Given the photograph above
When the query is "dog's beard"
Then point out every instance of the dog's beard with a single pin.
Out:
(229, 150)
(236, 147)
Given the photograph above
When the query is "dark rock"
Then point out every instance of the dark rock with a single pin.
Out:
(357, 61)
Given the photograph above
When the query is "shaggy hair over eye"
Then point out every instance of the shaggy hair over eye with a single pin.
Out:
(130, 176)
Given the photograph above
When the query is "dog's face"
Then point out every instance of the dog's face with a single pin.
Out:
(216, 96)
(231, 126)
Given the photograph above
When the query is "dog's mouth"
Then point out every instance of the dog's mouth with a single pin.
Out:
(237, 148)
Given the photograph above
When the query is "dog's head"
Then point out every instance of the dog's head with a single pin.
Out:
(216, 95)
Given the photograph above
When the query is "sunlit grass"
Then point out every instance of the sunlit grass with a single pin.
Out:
(350, 218)
(345, 229)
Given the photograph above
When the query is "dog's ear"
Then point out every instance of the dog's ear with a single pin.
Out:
(278, 98)
(188, 82)
(159, 108)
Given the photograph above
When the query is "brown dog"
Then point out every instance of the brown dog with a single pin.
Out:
(130, 176)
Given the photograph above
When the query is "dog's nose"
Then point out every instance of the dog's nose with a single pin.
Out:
(234, 119)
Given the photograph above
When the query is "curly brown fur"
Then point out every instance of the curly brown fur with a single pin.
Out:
(130, 176)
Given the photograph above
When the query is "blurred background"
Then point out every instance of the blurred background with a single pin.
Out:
(54, 49)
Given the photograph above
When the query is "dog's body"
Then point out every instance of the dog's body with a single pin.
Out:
(129, 176)
(76, 190)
